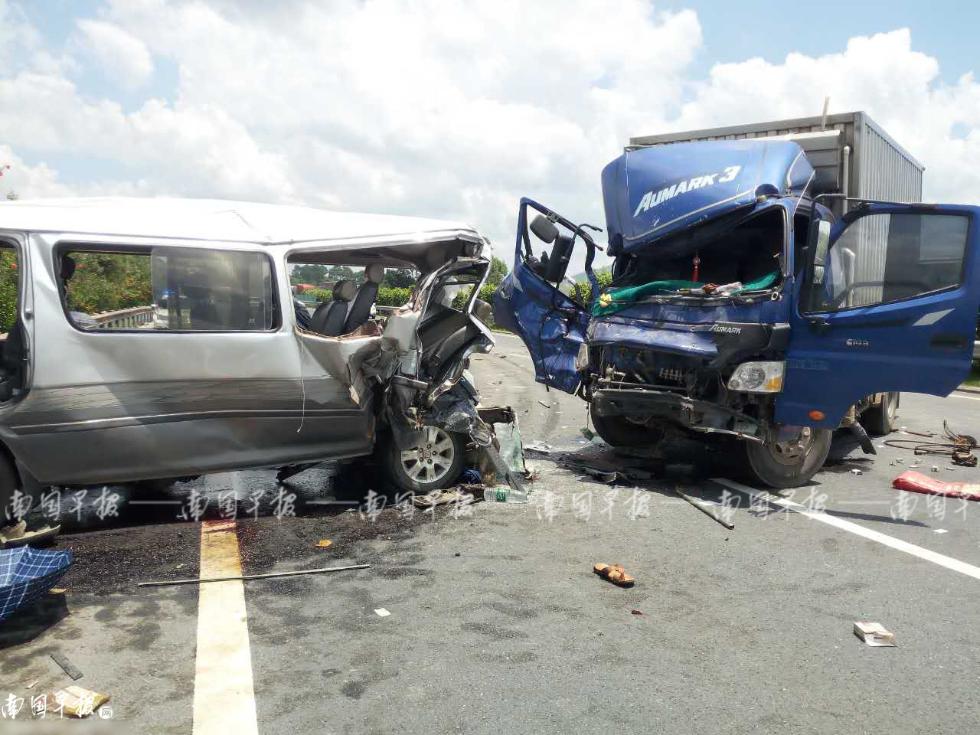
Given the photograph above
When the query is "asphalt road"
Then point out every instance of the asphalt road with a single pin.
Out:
(497, 623)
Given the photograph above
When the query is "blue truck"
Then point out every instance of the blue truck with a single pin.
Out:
(764, 291)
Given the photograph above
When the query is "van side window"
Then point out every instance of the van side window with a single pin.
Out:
(168, 289)
(881, 258)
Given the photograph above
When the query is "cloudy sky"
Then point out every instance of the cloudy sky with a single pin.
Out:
(452, 109)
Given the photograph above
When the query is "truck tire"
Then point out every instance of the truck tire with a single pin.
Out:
(787, 464)
(880, 418)
(618, 431)
(434, 464)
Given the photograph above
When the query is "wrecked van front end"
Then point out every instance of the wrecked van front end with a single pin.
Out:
(719, 318)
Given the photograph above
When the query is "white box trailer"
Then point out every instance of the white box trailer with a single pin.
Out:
(851, 154)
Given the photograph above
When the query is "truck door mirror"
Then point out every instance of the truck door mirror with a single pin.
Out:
(561, 253)
(820, 248)
(544, 229)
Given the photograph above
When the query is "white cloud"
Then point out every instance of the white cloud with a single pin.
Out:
(22, 180)
(442, 108)
(120, 56)
(883, 75)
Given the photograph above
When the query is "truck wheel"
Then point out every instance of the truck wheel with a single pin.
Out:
(787, 464)
(879, 419)
(436, 463)
(619, 431)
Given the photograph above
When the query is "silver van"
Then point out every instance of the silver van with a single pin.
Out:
(150, 339)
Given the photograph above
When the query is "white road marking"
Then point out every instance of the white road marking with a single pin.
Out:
(224, 697)
(940, 559)
(969, 398)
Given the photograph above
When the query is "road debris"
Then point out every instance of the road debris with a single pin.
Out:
(442, 497)
(504, 494)
(382, 612)
(856, 471)
(546, 405)
(636, 612)
(916, 482)
(76, 702)
(31, 684)
(874, 634)
(18, 535)
(705, 508)
(324, 543)
(614, 573)
(67, 666)
(246, 577)
(958, 447)
(26, 574)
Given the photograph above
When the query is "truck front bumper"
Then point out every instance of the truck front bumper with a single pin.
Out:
(687, 413)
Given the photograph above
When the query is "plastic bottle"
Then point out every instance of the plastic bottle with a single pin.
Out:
(503, 494)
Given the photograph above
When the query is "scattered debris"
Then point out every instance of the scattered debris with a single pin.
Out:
(546, 405)
(18, 535)
(537, 448)
(77, 702)
(874, 634)
(935, 468)
(31, 684)
(856, 471)
(57, 591)
(442, 497)
(706, 509)
(587, 433)
(381, 612)
(636, 612)
(959, 447)
(597, 473)
(324, 543)
(916, 482)
(244, 577)
(67, 666)
(940, 530)
(504, 494)
(26, 574)
(614, 573)
(470, 476)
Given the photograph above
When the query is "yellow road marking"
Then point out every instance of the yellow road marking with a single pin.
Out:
(224, 698)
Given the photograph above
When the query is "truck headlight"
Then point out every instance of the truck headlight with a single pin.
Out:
(757, 377)
(582, 358)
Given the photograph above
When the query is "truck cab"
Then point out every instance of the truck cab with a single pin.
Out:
(745, 303)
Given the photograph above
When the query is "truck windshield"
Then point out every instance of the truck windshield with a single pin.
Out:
(746, 258)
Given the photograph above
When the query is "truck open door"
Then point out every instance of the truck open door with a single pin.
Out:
(530, 302)
(888, 303)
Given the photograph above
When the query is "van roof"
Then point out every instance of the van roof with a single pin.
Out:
(214, 219)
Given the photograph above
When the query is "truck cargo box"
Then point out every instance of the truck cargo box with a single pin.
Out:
(851, 153)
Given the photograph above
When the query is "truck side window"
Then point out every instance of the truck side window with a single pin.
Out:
(168, 288)
(881, 258)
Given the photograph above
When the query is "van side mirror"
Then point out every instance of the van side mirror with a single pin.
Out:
(544, 229)
(561, 254)
(820, 249)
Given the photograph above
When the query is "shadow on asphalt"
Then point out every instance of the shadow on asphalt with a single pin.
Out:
(29, 622)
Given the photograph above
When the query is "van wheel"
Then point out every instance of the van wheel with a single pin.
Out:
(619, 431)
(880, 418)
(787, 464)
(436, 463)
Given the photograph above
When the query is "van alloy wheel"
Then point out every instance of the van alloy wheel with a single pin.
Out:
(431, 460)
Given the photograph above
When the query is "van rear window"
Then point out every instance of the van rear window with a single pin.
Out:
(168, 289)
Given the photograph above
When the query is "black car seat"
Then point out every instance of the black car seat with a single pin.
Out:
(329, 317)
(361, 309)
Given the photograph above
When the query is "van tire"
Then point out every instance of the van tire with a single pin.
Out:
(618, 432)
(767, 465)
(398, 472)
(880, 418)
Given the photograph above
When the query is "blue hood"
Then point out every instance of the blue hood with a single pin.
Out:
(652, 193)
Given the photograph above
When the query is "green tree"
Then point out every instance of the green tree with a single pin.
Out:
(400, 278)
(498, 270)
